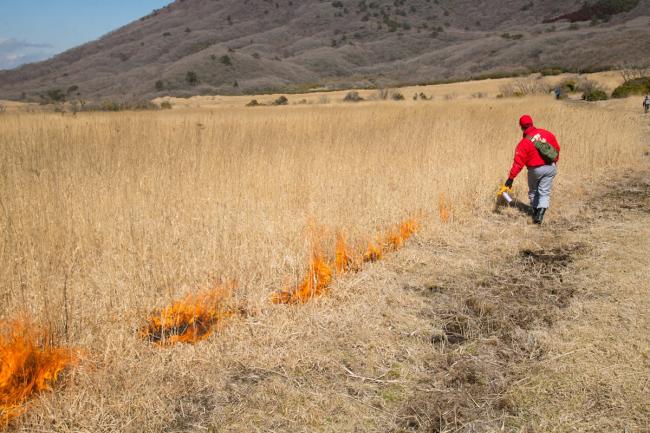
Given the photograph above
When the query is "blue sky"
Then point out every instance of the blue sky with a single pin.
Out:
(32, 30)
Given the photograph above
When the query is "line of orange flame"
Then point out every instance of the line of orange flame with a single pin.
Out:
(319, 274)
(190, 319)
(193, 318)
(29, 364)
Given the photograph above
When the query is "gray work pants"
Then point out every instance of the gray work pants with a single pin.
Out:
(540, 183)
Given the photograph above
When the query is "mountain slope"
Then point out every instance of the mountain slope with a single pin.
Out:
(233, 46)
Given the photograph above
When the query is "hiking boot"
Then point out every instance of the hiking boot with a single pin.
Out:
(539, 215)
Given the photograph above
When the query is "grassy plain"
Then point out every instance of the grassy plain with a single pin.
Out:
(105, 216)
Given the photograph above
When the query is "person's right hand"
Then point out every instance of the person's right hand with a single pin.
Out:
(509, 183)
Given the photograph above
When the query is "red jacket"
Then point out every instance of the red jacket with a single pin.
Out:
(526, 153)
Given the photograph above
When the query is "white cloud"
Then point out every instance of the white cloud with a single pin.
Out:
(14, 53)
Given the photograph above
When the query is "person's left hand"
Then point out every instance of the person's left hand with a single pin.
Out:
(509, 183)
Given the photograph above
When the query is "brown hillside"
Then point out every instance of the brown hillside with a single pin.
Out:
(247, 46)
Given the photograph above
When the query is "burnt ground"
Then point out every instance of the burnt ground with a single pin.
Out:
(487, 321)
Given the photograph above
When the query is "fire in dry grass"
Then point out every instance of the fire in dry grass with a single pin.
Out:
(408, 228)
(444, 208)
(394, 240)
(373, 253)
(29, 363)
(316, 281)
(319, 274)
(189, 320)
(343, 261)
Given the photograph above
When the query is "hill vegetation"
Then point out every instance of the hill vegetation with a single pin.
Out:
(207, 47)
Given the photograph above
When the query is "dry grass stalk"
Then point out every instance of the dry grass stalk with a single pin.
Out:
(344, 260)
(444, 208)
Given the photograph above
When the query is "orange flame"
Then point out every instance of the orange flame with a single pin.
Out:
(373, 253)
(394, 240)
(28, 364)
(315, 283)
(408, 228)
(343, 261)
(189, 320)
(444, 208)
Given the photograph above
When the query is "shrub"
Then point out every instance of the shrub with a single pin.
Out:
(382, 94)
(119, 106)
(282, 100)
(396, 96)
(2, 108)
(159, 85)
(592, 91)
(166, 105)
(323, 99)
(595, 95)
(551, 71)
(638, 86)
(191, 78)
(226, 60)
(55, 95)
(568, 85)
(72, 89)
(353, 97)
(253, 103)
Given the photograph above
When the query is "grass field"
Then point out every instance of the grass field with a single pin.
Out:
(107, 216)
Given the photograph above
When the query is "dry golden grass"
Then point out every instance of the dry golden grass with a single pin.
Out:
(463, 90)
(107, 216)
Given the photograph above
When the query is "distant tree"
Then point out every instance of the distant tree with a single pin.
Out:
(352, 96)
(191, 78)
(226, 60)
(55, 95)
(160, 85)
(72, 89)
(282, 100)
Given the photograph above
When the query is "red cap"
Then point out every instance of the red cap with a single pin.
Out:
(525, 121)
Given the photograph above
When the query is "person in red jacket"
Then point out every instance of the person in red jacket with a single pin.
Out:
(541, 165)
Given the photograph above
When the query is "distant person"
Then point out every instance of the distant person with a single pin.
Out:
(539, 151)
(558, 92)
(646, 104)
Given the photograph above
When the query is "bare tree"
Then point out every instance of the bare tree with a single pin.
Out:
(630, 71)
(524, 86)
